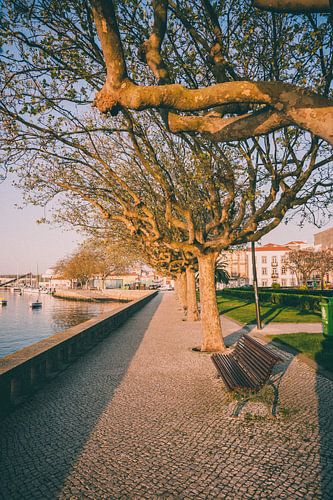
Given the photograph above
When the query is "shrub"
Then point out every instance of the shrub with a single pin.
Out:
(305, 302)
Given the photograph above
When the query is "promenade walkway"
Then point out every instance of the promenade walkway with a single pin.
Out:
(142, 416)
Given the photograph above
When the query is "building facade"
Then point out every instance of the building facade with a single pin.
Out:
(236, 264)
(271, 263)
(324, 238)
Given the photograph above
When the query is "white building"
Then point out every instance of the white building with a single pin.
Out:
(271, 263)
(52, 281)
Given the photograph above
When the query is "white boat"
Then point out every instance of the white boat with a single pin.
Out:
(30, 289)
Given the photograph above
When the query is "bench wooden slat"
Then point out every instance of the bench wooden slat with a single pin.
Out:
(231, 372)
(249, 365)
(251, 361)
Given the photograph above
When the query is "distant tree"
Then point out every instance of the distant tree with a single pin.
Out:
(303, 263)
(97, 257)
(80, 266)
(112, 256)
(324, 264)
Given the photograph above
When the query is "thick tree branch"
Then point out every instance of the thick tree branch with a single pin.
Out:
(294, 6)
(108, 32)
(229, 129)
(150, 50)
(291, 104)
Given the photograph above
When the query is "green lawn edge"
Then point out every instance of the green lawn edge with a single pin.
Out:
(244, 312)
(314, 346)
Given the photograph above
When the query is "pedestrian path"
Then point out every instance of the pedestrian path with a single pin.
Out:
(143, 416)
(281, 328)
(272, 328)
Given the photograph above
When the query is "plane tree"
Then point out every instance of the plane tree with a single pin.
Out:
(196, 62)
(196, 79)
(185, 192)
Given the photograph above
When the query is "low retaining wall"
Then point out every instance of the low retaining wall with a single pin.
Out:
(117, 295)
(24, 371)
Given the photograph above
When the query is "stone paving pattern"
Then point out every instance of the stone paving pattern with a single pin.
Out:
(142, 416)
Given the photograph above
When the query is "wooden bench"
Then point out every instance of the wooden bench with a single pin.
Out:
(248, 366)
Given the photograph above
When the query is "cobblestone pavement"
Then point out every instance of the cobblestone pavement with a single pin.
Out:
(142, 416)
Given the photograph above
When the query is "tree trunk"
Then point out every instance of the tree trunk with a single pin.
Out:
(211, 331)
(192, 308)
(182, 290)
(176, 286)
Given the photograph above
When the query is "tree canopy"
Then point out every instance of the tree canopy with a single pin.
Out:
(200, 75)
(166, 173)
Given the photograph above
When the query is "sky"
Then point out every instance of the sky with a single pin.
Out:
(24, 244)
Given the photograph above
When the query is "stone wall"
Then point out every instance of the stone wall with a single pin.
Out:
(24, 371)
(112, 295)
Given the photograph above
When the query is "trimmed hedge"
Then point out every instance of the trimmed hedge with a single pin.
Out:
(322, 293)
(304, 302)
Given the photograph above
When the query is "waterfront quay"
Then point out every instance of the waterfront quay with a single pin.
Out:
(143, 416)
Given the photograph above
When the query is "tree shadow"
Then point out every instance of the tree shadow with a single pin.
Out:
(223, 311)
(324, 389)
(272, 313)
(324, 403)
(43, 438)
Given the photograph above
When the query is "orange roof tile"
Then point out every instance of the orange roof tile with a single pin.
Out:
(273, 247)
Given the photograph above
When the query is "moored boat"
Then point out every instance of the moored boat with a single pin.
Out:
(36, 305)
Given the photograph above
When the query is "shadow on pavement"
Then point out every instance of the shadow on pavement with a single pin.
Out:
(41, 440)
(274, 381)
(325, 417)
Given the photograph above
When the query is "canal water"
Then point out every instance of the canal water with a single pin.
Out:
(20, 325)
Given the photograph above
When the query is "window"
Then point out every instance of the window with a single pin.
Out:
(283, 270)
(264, 283)
(264, 259)
(264, 270)
(274, 260)
(283, 260)
(284, 282)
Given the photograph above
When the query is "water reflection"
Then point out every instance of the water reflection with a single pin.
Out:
(21, 325)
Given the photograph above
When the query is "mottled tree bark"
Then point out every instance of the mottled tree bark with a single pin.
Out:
(212, 339)
(192, 307)
(182, 290)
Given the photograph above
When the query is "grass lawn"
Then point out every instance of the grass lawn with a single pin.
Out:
(244, 311)
(313, 345)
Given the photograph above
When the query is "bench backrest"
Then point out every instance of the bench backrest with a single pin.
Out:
(255, 359)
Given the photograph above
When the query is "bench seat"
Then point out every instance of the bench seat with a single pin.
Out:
(248, 366)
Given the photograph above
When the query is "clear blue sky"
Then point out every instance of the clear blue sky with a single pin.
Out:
(24, 244)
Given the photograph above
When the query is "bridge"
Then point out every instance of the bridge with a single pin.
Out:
(143, 416)
(13, 280)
